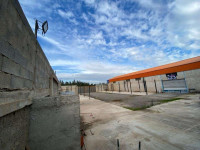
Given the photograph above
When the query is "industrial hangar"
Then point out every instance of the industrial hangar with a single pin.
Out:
(182, 76)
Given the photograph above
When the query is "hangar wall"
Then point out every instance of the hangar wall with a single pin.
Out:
(154, 83)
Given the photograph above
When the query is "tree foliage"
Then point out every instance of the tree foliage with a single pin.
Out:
(78, 83)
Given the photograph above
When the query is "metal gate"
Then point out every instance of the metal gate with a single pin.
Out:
(175, 85)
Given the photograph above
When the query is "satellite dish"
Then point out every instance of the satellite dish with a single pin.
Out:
(44, 27)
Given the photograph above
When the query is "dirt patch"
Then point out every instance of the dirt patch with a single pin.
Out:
(117, 100)
(136, 102)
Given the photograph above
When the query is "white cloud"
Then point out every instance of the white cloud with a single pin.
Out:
(187, 7)
(64, 14)
(89, 2)
(182, 22)
(95, 71)
(155, 33)
(59, 62)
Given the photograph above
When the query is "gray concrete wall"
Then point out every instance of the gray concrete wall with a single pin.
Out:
(137, 85)
(25, 73)
(192, 78)
(23, 64)
(70, 88)
(101, 87)
(151, 81)
(55, 123)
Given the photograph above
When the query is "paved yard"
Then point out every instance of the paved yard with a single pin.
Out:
(169, 126)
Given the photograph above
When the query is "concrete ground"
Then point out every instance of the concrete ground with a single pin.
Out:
(133, 101)
(169, 126)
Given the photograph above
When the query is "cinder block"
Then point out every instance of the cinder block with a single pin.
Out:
(24, 73)
(6, 49)
(30, 67)
(28, 84)
(17, 82)
(5, 80)
(31, 76)
(10, 67)
(20, 59)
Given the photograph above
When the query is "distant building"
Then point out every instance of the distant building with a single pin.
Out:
(182, 76)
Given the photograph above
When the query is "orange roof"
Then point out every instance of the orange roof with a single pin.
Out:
(184, 65)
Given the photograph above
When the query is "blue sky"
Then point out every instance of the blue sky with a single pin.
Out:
(92, 40)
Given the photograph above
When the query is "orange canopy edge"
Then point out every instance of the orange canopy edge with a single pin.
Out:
(183, 65)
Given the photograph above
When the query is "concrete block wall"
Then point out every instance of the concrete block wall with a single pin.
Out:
(150, 83)
(23, 65)
(101, 87)
(25, 73)
(70, 88)
(109, 87)
(61, 131)
(116, 86)
(22, 61)
(192, 78)
(135, 85)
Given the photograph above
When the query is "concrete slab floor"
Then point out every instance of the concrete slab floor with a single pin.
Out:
(170, 126)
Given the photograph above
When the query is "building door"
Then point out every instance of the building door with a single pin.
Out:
(174, 85)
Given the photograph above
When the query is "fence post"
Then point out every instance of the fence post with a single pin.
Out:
(145, 86)
(155, 86)
(139, 145)
(118, 144)
(84, 90)
(89, 91)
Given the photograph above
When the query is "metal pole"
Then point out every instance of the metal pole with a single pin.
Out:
(145, 87)
(118, 144)
(155, 86)
(84, 90)
(36, 27)
(139, 145)
(127, 85)
(89, 92)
